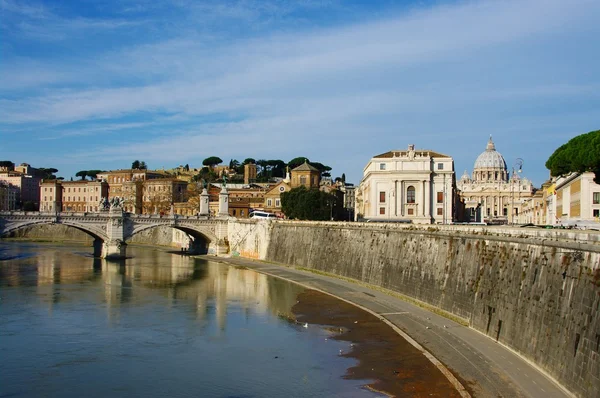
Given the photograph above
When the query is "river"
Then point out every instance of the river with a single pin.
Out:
(157, 324)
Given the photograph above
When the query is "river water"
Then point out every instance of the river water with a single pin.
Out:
(157, 324)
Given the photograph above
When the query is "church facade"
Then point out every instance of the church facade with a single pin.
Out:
(493, 194)
(410, 185)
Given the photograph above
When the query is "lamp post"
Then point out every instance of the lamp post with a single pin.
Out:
(517, 167)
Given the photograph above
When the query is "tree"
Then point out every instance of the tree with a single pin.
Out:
(135, 164)
(48, 173)
(7, 163)
(297, 162)
(92, 173)
(248, 161)
(580, 154)
(343, 178)
(82, 174)
(307, 204)
(212, 161)
(143, 165)
(233, 164)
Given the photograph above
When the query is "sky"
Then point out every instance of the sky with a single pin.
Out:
(98, 84)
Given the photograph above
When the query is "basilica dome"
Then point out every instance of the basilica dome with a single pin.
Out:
(490, 158)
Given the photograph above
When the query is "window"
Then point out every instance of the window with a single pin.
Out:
(269, 202)
(440, 197)
(440, 211)
(382, 210)
(596, 200)
(277, 203)
(505, 212)
(381, 166)
(382, 197)
(596, 213)
(302, 180)
(410, 212)
(410, 194)
(233, 212)
(440, 166)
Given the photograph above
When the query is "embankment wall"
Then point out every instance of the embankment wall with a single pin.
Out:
(537, 292)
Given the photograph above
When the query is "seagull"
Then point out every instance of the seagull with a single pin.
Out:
(445, 327)
(305, 325)
(355, 321)
(426, 327)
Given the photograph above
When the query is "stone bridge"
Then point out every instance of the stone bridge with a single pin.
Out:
(112, 229)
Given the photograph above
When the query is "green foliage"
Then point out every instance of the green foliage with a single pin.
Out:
(212, 161)
(248, 161)
(7, 163)
(297, 162)
(307, 204)
(48, 173)
(321, 167)
(143, 165)
(92, 173)
(82, 174)
(135, 164)
(580, 154)
(206, 174)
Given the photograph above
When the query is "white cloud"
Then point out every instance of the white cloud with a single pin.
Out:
(395, 77)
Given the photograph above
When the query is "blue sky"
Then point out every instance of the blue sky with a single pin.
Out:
(97, 84)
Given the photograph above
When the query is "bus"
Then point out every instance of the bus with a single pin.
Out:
(262, 214)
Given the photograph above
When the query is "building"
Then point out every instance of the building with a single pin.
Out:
(26, 184)
(249, 173)
(407, 185)
(9, 196)
(129, 185)
(160, 194)
(305, 175)
(72, 196)
(577, 200)
(493, 194)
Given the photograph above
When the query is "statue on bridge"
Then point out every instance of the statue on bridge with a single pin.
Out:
(112, 203)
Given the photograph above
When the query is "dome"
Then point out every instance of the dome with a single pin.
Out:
(490, 159)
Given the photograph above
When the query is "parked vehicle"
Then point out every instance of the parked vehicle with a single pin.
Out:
(262, 214)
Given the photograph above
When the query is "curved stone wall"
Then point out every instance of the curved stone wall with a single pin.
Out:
(538, 297)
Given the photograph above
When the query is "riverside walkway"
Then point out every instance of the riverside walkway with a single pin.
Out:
(487, 369)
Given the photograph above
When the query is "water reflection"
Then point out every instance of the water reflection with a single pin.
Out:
(207, 286)
(157, 324)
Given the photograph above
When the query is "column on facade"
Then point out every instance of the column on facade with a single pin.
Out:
(428, 198)
(402, 194)
(396, 198)
(423, 202)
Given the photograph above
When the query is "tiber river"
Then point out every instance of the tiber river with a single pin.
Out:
(155, 325)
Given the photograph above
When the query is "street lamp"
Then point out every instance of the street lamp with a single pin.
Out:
(518, 167)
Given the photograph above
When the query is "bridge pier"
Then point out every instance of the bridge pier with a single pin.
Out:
(113, 249)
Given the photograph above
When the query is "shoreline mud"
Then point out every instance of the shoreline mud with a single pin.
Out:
(396, 367)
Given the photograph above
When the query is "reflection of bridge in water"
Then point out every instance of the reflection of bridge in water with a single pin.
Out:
(206, 286)
(112, 229)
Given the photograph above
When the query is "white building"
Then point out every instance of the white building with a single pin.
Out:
(493, 194)
(577, 200)
(412, 185)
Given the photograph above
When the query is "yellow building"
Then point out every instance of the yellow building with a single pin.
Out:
(305, 175)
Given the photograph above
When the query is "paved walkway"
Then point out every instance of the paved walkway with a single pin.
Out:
(486, 367)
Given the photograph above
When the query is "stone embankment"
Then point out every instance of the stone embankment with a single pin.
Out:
(535, 291)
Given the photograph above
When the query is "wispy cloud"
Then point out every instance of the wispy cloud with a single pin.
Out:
(438, 71)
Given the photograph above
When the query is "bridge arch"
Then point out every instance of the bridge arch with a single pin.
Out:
(94, 232)
(202, 238)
